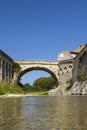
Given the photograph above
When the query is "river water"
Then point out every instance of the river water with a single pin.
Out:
(43, 113)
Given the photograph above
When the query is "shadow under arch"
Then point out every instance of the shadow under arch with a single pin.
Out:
(38, 68)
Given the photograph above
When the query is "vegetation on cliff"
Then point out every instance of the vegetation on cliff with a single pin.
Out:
(80, 77)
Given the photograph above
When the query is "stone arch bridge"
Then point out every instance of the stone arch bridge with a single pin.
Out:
(29, 65)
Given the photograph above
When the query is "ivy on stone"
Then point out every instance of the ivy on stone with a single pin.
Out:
(16, 67)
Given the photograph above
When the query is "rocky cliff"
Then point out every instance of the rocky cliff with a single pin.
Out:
(78, 88)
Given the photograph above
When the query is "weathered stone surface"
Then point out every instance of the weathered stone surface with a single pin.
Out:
(78, 88)
(60, 90)
(55, 92)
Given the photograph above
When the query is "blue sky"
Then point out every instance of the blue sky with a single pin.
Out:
(40, 29)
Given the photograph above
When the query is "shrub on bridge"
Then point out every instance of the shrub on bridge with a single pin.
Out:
(16, 67)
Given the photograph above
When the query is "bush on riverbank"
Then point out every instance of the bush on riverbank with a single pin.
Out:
(9, 88)
(15, 89)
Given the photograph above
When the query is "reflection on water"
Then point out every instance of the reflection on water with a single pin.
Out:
(44, 113)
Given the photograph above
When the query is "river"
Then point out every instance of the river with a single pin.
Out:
(43, 113)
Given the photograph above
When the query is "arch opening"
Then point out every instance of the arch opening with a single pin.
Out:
(22, 73)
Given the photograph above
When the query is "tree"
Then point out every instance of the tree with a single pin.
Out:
(27, 87)
(44, 84)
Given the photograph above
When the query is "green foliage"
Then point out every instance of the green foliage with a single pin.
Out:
(9, 88)
(14, 89)
(27, 87)
(40, 85)
(16, 67)
(70, 84)
(43, 84)
(2, 92)
(81, 75)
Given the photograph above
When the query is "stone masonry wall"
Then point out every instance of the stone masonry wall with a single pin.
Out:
(65, 72)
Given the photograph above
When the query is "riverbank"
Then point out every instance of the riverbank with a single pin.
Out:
(17, 95)
(25, 95)
(15, 90)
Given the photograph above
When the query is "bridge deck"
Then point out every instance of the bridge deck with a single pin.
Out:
(36, 62)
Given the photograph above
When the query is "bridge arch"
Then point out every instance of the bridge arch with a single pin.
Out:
(37, 68)
(48, 66)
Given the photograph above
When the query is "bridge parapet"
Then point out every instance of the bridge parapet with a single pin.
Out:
(36, 62)
(26, 64)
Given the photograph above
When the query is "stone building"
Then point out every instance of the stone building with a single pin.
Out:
(66, 55)
(6, 67)
(67, 62)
